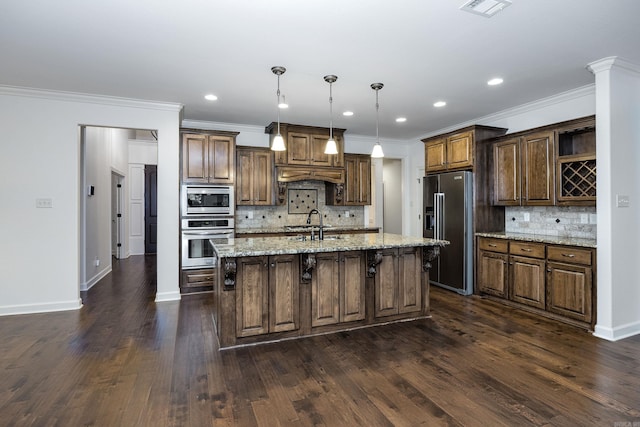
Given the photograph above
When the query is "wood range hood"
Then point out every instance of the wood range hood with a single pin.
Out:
(309, 173)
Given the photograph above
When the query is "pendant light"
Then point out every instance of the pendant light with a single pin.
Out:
(377, 148)
(278, 141)
(331, 147)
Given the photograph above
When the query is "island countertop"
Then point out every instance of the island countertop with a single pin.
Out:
(258, 246)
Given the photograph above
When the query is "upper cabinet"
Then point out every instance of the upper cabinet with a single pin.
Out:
(450, 153)
(254, 184)
(356, 190)
(306, 144)
(551, 165)
(524, 170)
(208, 157)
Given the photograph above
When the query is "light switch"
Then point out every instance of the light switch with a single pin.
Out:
(526, 216)
(622, 201)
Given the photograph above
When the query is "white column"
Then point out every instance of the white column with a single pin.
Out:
(618, 205)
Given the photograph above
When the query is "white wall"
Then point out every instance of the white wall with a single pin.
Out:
(393, 195)
(39, 133)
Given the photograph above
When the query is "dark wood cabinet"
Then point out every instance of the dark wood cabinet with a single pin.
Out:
(254, 183)
(556, 280)
(338, 288)
(398, 282)
(569, 282)
(199, 280)
(267, 297)
(524, 170)
(208, 158)
(450, 153)
(576, 163)
(305, 146)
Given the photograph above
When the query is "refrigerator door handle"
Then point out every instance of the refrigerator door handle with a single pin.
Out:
(438, 202)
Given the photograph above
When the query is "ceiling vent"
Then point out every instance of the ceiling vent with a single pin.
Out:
(486, 8)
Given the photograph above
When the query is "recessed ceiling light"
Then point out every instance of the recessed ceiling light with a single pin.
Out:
(211, 97)
(401, 119)
(486, 8)
(439, 104)
(348, 113)
(494, 82)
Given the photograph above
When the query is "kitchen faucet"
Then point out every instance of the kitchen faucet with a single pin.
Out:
(320, 230)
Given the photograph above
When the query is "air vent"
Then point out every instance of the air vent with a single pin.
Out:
(486, 8)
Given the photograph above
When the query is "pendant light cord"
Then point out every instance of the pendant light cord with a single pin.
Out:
(330, 111)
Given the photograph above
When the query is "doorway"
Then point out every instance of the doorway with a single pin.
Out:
(117, 201)
(150, 208)
(392, 195)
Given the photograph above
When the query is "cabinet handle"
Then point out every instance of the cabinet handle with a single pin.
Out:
(265, 264)
(525, 249)
(493, 245)
(272, 265)
(548, 270)
(569, 255)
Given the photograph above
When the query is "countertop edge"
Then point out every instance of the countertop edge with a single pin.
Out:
(539, 238)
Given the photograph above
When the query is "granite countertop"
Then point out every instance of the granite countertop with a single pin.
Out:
(257, 246)
(301, 228)
(540, 238)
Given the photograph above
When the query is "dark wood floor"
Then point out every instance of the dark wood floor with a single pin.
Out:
(123, 360)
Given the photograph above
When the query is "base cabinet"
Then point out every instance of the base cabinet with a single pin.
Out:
(267, 298)
(398, 282)
(558, 280)
(338, 288)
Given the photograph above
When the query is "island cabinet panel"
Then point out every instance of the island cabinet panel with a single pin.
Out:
(352, 284)
(325, 290)
(267, 295)
(284, 300)
(386, 284)
(409, 280)
(252, 296)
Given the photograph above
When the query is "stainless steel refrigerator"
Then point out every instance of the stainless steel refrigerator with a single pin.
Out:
(448, 214)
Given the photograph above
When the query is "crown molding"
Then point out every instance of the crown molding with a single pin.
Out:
(607, 64)
(521, 109)
(231, 127)
(55, 95)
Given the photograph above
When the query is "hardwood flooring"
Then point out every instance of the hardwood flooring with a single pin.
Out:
(123, 360)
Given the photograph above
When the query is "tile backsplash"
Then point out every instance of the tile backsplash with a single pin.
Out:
(278, 216)
(569, 221)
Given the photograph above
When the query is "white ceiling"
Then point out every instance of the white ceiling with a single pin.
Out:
(422, 50)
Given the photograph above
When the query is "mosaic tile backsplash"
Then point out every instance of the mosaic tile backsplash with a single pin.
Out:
(571, 221)
(279, 216)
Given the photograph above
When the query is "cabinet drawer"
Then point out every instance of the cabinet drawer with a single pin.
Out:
(533, 250)
(493, 245)
(569, 254)
(198, 278)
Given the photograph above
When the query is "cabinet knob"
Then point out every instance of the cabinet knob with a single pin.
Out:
(273, 265)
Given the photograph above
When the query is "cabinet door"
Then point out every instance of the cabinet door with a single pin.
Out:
(538, 171)
(221, 159)
(262, 176)
(195, 159)
(325, 288)
(244, 183)
(351, 180)
(364, 176)
(569, 290)
(338, 159)
(492, 273)
(460, 151)
(318, 145)
(252, 296)
(298, 148)
(506, 155)
(386, 284)
(527, 281)
(284, 300)
(409, 280)
(435, 155)
(352, 285)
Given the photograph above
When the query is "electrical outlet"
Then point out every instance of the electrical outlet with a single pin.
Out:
(584, 218)
(44, 203)
(250, 214)
(346, 214)
(96, 262)
(527, 216)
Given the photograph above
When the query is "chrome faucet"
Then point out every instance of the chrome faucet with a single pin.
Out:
(321, 229)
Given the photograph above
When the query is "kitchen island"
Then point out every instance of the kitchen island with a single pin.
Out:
(274, 288)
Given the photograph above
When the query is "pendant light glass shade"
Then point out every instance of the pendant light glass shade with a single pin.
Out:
(331, 147)
(377, 148)
(278, 142)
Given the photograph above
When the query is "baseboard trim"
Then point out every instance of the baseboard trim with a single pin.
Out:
(168, 296)
(617, 333)
(95, 279)
(49, 307)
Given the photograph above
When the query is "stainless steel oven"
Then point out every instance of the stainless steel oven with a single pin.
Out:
(197, 251)
(207, 200)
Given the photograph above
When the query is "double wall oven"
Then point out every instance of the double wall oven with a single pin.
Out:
(207, 213)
